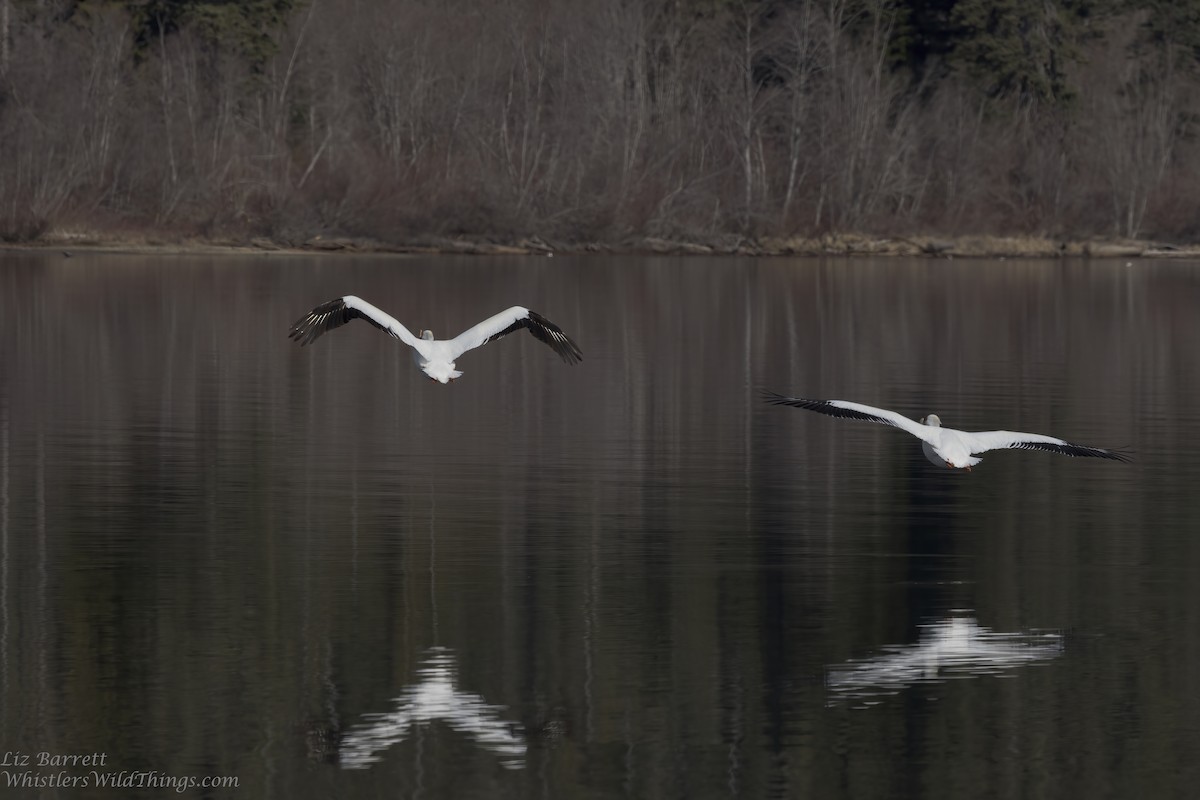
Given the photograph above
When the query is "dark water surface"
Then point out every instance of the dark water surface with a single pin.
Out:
(318, 572)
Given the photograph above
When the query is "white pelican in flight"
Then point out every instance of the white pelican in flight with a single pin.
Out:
(435, 357)
(946, 447)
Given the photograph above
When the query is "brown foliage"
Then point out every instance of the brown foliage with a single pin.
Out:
(574, 120)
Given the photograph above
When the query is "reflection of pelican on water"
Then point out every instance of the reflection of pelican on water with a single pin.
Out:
(434, 697)
(955, 647)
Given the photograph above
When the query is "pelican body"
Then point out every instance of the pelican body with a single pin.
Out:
(946, 447)
(434, 357)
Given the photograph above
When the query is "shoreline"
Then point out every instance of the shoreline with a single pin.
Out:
(796, 247)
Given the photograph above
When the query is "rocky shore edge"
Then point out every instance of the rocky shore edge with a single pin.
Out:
(827, 245)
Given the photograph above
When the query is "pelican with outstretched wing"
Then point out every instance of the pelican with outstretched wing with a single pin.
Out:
(435, 357)
(946, 447)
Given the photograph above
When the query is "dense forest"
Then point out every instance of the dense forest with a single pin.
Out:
(582, 121)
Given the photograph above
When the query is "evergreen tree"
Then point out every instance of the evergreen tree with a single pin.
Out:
(247, 26)
(1171, 25)
(1022, 47)
(923, 34)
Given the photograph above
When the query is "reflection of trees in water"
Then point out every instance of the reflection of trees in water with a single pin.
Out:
(434, 698)
(954, 647)
(593, 533)
(3, 550)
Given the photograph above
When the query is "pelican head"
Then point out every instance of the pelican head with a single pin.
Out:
(932, 421)
(427, 335)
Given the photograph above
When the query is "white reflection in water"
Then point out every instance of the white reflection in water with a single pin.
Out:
(434, 697)
(954, 647)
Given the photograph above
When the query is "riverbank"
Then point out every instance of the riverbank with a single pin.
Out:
(827, 245)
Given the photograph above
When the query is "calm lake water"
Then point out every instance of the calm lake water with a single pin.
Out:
(314, 570)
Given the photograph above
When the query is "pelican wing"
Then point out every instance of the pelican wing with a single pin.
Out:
(847, 410)
(513, 319)
(338, 312)
(983, 441)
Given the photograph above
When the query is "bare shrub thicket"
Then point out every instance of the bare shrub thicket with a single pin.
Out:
(1134, 128)
(575, 120)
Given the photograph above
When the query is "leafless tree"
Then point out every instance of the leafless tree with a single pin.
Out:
(800, 61)
(740, 98)
(1134, 129)
(626, 118)
(865, 119)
